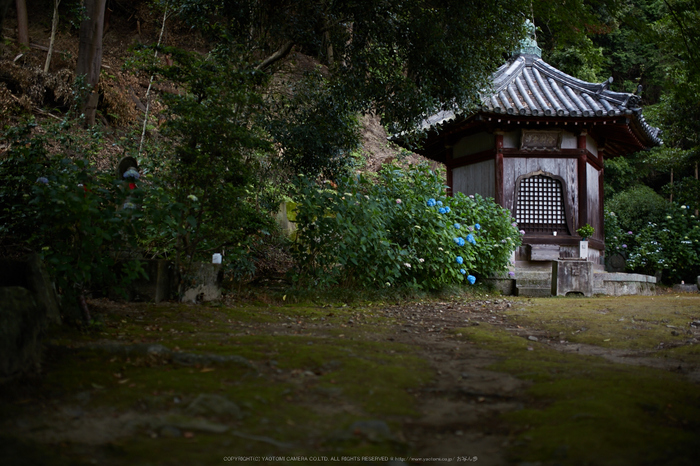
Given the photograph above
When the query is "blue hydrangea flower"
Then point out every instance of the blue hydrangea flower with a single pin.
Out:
(447, 210)
(442, 210)
(459, 260)
(459, 241)
(471, 279)
(477, 226)
(471, 239)
(42, 179)
(439, 203)
(457, 226)
(431, 202)
(462, 271)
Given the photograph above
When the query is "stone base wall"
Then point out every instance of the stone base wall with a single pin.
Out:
(541, 279)
(623, 284)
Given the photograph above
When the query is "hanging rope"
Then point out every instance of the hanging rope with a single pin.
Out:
(150, 83)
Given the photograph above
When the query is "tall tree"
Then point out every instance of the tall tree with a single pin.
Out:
(400, 59)
(90, 56)
(22, 23)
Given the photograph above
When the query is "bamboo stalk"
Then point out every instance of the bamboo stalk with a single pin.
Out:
(150, 84)
(54, 27)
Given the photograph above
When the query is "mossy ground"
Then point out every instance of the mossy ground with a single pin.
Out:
(586, 410)
(315, 369)
(314, 373)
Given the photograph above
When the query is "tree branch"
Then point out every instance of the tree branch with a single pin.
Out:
(278, 55)
(683, 29)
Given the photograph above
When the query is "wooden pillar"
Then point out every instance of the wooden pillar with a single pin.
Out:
(601, 200)
(582, 169)
(499, 170)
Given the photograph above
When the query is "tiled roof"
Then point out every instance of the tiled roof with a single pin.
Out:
(528, 86)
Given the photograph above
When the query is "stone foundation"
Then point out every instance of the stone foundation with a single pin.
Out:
(542, 279)
(623, 284)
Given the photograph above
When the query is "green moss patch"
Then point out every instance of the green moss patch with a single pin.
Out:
(586, 410)
(632, 322)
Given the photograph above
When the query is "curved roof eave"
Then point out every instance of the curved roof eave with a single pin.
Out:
(527, 86)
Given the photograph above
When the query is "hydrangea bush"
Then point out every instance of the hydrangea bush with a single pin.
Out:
(670, 245)
(400, 229)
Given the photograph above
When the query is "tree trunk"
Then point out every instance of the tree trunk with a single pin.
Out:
(696, 178)
(54, 27)
(22, 23)
(90, 56)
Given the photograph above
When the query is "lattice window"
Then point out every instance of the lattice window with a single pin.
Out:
(540, 207)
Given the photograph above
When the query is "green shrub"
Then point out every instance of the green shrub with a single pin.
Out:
(80, 219)
(398, 230)
(670, 245)
(637, 206)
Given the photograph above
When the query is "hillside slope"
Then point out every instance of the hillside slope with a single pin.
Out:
(25, 89)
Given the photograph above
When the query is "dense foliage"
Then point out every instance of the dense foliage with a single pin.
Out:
(398, 230)
(656, 237)
(80, 219)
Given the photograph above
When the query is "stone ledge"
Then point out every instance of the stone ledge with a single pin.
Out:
(626, 277)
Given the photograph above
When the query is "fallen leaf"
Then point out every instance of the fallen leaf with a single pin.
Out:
(207, 369)
(98, 387)
(124, 381)
(188, 434)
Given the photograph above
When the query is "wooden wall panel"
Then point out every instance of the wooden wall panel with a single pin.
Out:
(478, 178)
(591, 145)
(511, 139)
(594, 201)
(474, 144)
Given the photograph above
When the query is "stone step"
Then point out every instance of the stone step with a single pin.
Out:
(543, 281)
(533, 291)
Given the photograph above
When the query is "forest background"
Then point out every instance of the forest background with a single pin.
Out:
(225, 104)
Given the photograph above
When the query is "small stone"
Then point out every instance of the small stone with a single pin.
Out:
(531, 338)
(170, 431)
(372, 430)
(73, 413)
(210, 404)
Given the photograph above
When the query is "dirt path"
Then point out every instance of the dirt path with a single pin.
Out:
(461, 408)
